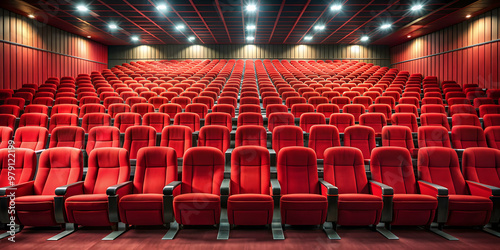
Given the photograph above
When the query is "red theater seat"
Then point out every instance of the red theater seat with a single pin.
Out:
(354, 109)
(34, 119)
(361, 137)
(66, 136)
(177, 137)
(101, 137)
(10, 110)
(342, 121)
(191, 120)
(465, 136)
(250, 201)
(156, 120)
(250, 119)
(215, 136)
(301, 108)
(440, 166)
(171, 109)
(435, 119)
(23, 168)
(433, 136)
(327, 109)
(224, 108)
(393, 166)
(95, 119)
(137, 137)
(465, 119)
(307, 120)
(222, 119)
(322, 137)
(64, 109)
(374, 120)
(125, 120)
(34, 138)
(251, 135)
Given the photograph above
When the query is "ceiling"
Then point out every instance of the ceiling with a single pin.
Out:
(225, 21)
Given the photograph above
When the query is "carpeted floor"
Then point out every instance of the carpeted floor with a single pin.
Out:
(252, 238)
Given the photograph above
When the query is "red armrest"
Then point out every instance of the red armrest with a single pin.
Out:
(483, 190)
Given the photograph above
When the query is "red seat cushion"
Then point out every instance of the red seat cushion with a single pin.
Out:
(142, 209)
(359, 209)
(250, 209)
(303, 209)
(413, 209)
(414, 202)
(36, 210)
(469, 202)
(88, 209)
(197, 209)
(468, 210)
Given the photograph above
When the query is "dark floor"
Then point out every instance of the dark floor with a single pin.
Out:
(253, 238)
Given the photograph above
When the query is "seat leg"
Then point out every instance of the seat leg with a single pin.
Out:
(438, 230)
(276, 226)
(120, 229)
(330, 230)
(492, 230)
(224, 226)
(381, 228)
(11, 231)
(172, 231)
(69, 228)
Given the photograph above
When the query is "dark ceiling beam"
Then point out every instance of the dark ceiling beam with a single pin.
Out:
(298, 19)
(350, 19)
(369, 20)
(117, 12)
(317, 19)
(203, 20)
(222, 18)
(172, 7)
(277, 19)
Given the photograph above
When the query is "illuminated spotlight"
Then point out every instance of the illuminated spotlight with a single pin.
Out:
(385, 26)
(364, 38)
(31, 16)
(336, 7)
(468, 16)
(417, 7)
(409, 36)
(250, 38)
(113, 26)
(319, 27)
(180, 27)
(251, 27)
(82, 8)
(251, 7)
(191, 38)
(161, 7)
(135, 39)
(308, 38)
(89, 37)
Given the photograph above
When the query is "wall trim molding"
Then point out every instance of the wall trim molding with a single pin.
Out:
(57, 53)
(449, 51)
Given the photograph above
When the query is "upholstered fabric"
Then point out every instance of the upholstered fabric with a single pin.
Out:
(287, 135)
(67, 137)
(215, 136)
(250, 118)
(24, 166)
(198, 108)
(354, 109)
(5, 135)
(33, 119)
(433, 136)
(465, 136)
(327, 109)
(361, 137)
(91, 108)
(91, 120)
(251, 135)
(381, 108)
(373, 120)
(177, 137)
(171, 109)
(137, 137)
(103, 136)
(218, 118)
(492, 135)
(398, 136)
(405, 119)
(301, 108)
(322, 137)
(156, 120)
(34, 138)
(342, 121)
(192, 120)
(142, 108)
(126, 120)
(465, 119)
(482, 165)
(307, 120)
(224, 108)
(279, 119)
(303, 209)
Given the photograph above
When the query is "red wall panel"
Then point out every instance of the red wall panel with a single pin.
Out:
(31, 52)
(466, 52)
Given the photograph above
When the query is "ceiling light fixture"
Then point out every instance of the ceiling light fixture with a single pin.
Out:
(336, 7)
(251, 27)
(250, 38)
(82, 8)
(191, 38)
(31, 16)
(409, 36)
(89, 37)
(319, 27)
(135, 39)
(251, 7)
(385, 26)
(468, 16)
(364, 38)
(180, 26)
(162, 7)
(417, 7)
(308, 38)
(113, 26)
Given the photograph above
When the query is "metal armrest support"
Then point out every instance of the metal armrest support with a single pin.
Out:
(168, 201)
(62, 193)
(114, 193)
(333, 201)
(386, 192)
(276, 192)
(442, 196)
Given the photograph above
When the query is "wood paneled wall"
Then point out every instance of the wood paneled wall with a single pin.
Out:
(466, 52)
(378, 55)
(32, 51)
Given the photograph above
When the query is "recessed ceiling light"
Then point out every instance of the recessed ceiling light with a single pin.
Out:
(82, 8)
(113, 26)
(180, 26)
(191, 38)
(336, 7)
(161, 7)
(468, 16)
(251, 7)
(385, 26)
(89, 37)
(319, 27)
(250, 38)
(308, 38)
(250, 27)
(134, 38)
(409, 36)
(364, 38)
(417, 7)
(31, 16)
